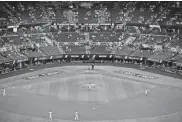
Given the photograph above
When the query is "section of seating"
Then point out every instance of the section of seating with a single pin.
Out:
(74, 49)
(124, 51)
(14, 56)
(33, 54)
(137, 29)
(4, 60)
(99, 50)
(50, 50)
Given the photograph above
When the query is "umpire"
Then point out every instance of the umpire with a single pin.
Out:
(92, 66)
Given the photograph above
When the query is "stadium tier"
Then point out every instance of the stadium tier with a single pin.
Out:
(144, 31)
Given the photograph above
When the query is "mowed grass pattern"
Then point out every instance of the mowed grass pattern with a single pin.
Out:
(114, 88)
(68, 88)
(10, 117)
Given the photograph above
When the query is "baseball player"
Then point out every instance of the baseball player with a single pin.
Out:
(89, 86)
(50, 115)
(4, 92)
(146, 92)
(88, 66)
(76, 116)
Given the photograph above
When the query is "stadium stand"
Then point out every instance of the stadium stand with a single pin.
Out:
(149, 30)
(50, 50)
(3, 59)
(15, 55)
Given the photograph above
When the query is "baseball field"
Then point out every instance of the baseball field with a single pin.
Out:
(117, 94)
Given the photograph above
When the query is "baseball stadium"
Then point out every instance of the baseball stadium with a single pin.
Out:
(90, 61)
(117, 94)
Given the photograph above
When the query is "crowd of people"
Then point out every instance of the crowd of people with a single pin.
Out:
(149, 30)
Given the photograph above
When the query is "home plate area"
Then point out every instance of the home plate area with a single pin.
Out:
(106, 93)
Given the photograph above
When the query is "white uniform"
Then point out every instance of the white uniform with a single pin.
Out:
(89, 87)
(76, 116)
(146, 92)
(4, 92)
(50, 115)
